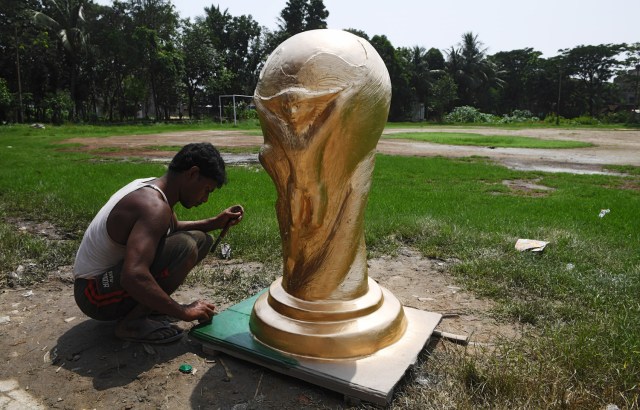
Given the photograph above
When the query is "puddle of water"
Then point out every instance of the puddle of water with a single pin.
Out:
(555, 169)
(233, 159)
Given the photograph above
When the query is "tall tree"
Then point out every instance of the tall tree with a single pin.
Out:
(243, 32)
(632, 76)
(18, 39)
(236, 39)
(443, 92)
(66, 19)
(419, 76)
(155, 35)
(519, 69)
(358, 33)
(201, 60)
(316, 15)
(117, 69)
(593, 66)
(296, 17)
(292, 17)
(471, 70)
(435, 59)
(401, 98)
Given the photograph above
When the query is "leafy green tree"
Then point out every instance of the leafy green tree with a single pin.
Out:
(217, 21)
(633, 76)
(414, 65)
(161, 67)
(201, 60)
(237, 40)
(5, 100)
(316, 15)
(435, 59)
(420, 73)
(593, 66)
(296, 17)
(472, 72)
(155, 35)
(16, 36)
(358, 33)
(443, 92)
(115, 61)
(401, 97)
(66, 19)
(518, 69)
(244, 53)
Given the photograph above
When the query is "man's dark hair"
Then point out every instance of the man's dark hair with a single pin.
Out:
(204, 156)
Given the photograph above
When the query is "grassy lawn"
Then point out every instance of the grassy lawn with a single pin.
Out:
(503, 141)
(577, 301)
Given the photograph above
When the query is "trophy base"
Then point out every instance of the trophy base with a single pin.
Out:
(371, 378)
(328, 329)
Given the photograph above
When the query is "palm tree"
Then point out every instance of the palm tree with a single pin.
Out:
(471, 70)
(67, 21)
(420, 74)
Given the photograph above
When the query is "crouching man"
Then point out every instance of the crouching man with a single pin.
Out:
(135, 253)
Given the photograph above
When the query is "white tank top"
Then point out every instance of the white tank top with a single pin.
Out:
(98, 252)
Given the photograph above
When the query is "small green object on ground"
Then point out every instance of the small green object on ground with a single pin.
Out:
(185, 368)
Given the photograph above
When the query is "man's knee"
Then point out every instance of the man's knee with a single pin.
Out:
(197, 245)
(204, 246)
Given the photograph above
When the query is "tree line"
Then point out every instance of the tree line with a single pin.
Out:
(75, 60)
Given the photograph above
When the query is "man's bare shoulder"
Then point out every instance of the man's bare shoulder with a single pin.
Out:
(144, 206)
(145, 200)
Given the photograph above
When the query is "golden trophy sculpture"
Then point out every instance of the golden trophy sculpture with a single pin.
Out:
(323, 99)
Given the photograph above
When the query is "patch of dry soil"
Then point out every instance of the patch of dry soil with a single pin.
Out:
(56, 357)
(611, 147)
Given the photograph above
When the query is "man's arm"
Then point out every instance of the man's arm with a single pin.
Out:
(229, 217)
(150, 226)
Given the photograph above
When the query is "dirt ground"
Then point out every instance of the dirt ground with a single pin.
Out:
(611, 147)
(56, 357)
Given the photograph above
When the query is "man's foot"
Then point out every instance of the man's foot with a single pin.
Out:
(145, 330)
(161, 317)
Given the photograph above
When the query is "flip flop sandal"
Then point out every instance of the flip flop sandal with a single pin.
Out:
(146, 339)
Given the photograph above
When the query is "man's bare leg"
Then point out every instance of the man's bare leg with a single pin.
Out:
(182, 259)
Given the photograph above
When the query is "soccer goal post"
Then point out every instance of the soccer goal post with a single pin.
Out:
(233, 97)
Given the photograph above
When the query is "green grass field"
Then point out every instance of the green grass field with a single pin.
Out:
(502, 141)
(577, 302)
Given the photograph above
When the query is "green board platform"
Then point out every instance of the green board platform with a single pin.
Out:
(371, 378)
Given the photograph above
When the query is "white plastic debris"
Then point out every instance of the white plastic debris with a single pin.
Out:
(27, 294)
(5, 319)
(603, 212)
(225, 251)
(531, 245)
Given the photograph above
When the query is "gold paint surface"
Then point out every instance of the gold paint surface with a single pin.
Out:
(322, 99)
(332, 337)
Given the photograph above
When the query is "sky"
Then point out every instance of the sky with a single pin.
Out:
(501, 25)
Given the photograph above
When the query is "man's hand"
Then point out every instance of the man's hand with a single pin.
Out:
(232, 215)
(199, 310)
